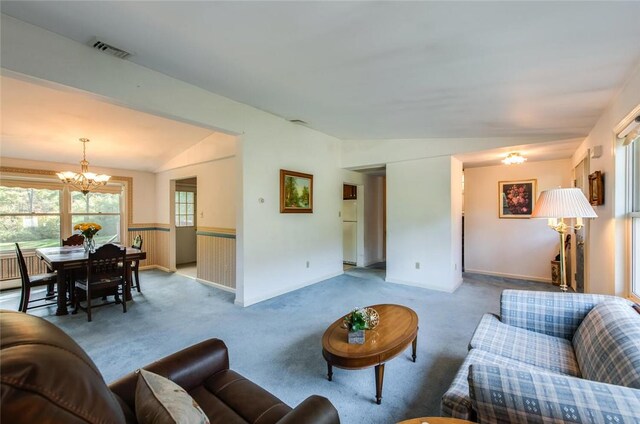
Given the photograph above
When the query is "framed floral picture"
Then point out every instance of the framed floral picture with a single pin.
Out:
(516, 199)
(296, 192)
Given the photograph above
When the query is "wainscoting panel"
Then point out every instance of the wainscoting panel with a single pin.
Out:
(217, 255)
(155, 242)
(9, 265)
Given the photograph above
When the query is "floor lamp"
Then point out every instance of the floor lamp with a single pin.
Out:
(559, 205)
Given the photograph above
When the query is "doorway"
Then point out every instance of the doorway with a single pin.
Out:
(185, 221)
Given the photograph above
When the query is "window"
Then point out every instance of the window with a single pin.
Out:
(30, 216)
(634, 187)
(185, 208)
(101, 208)
(39, 214)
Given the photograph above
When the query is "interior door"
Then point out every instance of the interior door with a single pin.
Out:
(581, 175)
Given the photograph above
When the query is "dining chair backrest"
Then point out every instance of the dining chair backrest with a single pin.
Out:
(103, 263)
(24, 274)
(74, 240)
(137, 242)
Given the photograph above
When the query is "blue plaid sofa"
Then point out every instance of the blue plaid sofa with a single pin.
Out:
(551, 358)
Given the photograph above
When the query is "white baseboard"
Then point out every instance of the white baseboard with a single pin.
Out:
(280, 292)
(423, 286)
(505, 275)
(216, 285)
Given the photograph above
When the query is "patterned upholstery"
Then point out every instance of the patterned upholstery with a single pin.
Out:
(552, 353)
(607, 345)
(526, 366)
(554, 314)
(456, 402)
(504, 395)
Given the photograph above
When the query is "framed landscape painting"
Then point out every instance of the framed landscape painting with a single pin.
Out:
(516, 198)
(296, 192)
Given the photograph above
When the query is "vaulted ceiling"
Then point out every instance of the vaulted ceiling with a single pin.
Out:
(369, 70)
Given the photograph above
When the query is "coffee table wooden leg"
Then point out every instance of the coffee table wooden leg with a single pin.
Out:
(414, 347)
(379, 378)
(329, 371)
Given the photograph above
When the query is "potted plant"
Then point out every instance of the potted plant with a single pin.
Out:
(356, 322)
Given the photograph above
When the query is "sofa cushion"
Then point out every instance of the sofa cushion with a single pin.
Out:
(552, 353)
(456, 402)
(161, 401)
(46, 377)
(607, 344)
(504, 395)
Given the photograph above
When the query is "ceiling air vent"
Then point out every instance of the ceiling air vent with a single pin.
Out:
(109, 49)
(298, 121)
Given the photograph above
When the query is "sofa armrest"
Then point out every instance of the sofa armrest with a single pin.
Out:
(314, 409)
(503, 395)
(188, 368)
(552, 313)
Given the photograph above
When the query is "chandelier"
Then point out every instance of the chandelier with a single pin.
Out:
(85, 181)
(513, 158)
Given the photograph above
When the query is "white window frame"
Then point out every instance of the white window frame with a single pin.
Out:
(193, 213)
(66, 216)
(632, 189)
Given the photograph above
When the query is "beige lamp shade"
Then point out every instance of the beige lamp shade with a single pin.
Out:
(563, 203)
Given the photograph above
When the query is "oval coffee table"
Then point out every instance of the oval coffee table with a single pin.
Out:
(397, 329)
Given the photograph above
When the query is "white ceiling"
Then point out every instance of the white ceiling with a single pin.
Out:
(359, 70)
(367, 70)
(45, 123)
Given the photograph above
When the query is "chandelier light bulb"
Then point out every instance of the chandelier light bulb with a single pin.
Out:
(84, 181)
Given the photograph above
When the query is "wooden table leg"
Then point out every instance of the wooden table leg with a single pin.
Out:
(414, 346)
(329, 371)
(62, 293)
(128, 276)
(379, 378)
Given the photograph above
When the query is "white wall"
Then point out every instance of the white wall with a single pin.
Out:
(422, 221)
(519, 248)
(272, 248)
(371, 250)
(144, 190)
(607, 259)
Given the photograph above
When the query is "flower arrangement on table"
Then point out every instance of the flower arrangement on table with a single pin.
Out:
(358, 320)
(88, 230)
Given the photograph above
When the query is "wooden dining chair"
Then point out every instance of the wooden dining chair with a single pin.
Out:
(31, 281)
(135, 265)
(74, 240)
(104, 277)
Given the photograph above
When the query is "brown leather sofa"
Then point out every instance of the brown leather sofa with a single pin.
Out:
(45, 377)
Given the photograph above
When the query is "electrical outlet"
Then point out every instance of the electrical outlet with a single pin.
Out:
(307, 264)
(417, 265)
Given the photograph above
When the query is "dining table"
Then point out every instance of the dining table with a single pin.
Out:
(65, 259)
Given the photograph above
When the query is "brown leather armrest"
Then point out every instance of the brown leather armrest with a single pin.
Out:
(188, 368)
(314, 409)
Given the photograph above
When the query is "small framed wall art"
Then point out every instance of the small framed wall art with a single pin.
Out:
(516, 199)
(596, 189)
(296, 192)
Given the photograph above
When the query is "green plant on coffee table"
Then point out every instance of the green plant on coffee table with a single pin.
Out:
(357, 320)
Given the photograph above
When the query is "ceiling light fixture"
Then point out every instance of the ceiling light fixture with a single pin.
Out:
(513, 158)
(85, 181)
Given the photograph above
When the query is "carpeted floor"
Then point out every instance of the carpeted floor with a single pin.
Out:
(277, 344)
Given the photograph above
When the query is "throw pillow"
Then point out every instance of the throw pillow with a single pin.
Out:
(161, 401)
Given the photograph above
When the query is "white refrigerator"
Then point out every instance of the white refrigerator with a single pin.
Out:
(349, 231)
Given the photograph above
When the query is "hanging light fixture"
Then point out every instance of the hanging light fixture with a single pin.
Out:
(513, 158)
(85, 181)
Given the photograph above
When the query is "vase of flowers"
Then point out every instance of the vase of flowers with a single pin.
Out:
(88, 230)
(356, 322)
